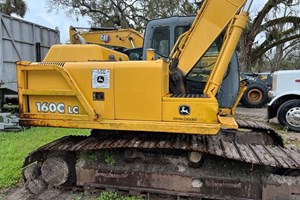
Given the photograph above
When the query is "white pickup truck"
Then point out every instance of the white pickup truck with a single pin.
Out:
(285, 103)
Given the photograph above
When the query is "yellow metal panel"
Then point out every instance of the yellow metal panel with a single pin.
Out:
(49, 92)
(41, 84)
(130, 125)
(58, 117)
(22, 82)
(62, 105)
(195, 110)
(211, 20)
(150, 54)
(139, 88)
(46, 79)
(82, 74)
(228, 122)
(83, 53)
(51, 78)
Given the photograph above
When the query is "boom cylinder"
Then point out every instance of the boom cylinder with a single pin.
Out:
(226, 52)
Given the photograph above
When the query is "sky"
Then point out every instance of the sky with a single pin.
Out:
(37, 13)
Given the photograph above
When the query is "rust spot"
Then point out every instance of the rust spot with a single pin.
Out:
(30, 122)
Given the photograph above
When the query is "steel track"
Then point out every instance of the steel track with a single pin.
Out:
(156, 172)
(260, 154)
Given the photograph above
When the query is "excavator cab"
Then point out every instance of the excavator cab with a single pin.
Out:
(162, 34)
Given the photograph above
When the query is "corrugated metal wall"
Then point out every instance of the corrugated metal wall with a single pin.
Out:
(18, 40)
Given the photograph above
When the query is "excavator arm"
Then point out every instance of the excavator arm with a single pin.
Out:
(113, 37)
(209, 24)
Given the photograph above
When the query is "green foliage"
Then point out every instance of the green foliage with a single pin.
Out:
(92, 157)
(116, 196)
(10, 108)
(109, 158)
(14, 147)
(109, 196)
(87, 156)
(79, 197)
(272, 35)
(285, 129)
(13, 6)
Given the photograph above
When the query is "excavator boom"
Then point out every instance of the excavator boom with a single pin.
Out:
(113, 37)
(207, 26)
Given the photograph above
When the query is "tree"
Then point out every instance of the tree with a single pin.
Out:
(13, 6)
(267, 32)
(275, 28)
(126, 13)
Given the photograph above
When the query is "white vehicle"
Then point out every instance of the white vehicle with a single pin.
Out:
(285, 94)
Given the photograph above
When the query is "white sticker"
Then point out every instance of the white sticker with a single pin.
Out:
(100, 78)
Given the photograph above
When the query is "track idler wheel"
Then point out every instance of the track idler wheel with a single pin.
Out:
(55, 171)
(33, 182)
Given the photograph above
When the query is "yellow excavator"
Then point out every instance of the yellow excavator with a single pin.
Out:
(161, 128)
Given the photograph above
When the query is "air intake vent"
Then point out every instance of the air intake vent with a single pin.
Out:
(188, 96)
(52, 63)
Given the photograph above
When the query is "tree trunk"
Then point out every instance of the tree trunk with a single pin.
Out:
(278, 57)
(246, 43)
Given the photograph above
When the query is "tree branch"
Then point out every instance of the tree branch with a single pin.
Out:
(264, 48)
(283, 20)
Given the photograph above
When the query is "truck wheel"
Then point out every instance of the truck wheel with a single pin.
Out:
(255, 96)
(288, 115)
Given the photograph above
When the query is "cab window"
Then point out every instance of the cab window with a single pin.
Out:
(201, 71)
(179, 30)
(161, 41)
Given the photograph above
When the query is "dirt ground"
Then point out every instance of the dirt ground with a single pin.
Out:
(19, 192)
(260, 114)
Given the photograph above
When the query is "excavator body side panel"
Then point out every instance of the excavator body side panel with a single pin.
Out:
(83, 53)
(95, 81)
(109, 95)
(199, 110)
(139, 88)
(52, 93)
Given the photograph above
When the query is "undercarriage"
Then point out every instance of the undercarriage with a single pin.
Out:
(250, 163)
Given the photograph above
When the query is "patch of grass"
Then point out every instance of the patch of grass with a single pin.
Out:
(116, 196)
(89, 157)
(14, 147)
(78, 196)
(109, 158)
(290, 141)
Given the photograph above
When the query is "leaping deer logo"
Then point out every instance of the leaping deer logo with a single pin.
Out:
(184, 110)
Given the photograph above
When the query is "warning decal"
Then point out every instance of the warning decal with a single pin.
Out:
(100, 78)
